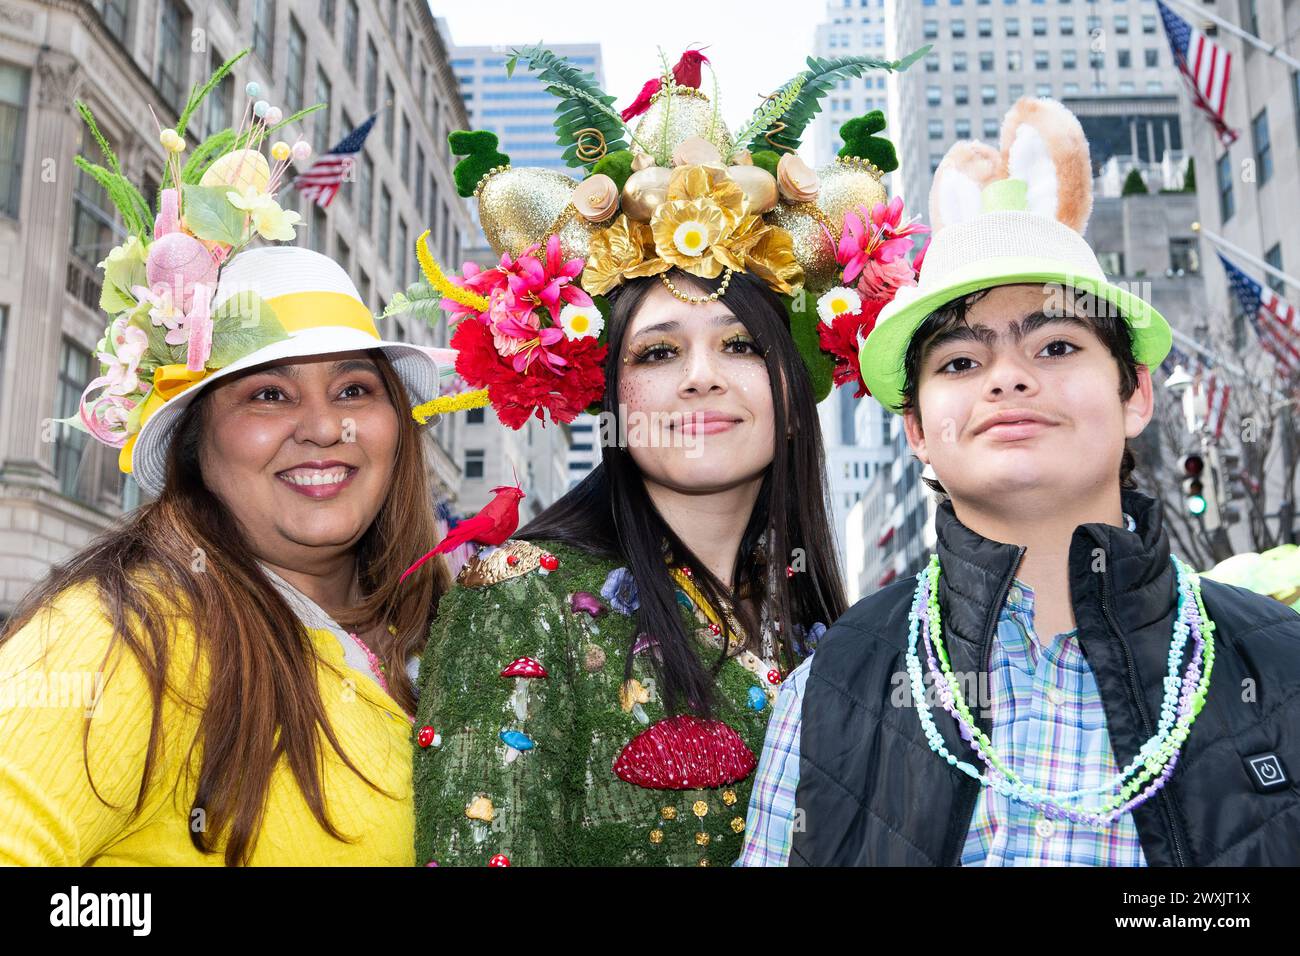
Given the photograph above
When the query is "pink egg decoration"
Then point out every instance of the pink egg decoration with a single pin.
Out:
(178, 261)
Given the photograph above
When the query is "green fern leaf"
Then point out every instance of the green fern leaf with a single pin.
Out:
(584, 105)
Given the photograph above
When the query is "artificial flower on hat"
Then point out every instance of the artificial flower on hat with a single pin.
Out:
(676, 190)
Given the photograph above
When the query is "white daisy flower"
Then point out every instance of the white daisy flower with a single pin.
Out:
(838, 301)
(691, 238)
(578, 321)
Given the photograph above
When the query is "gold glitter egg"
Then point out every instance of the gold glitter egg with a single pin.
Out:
(700, 809)
(656, 836)
(701, 839)
(520, 207)
(738, 824)
(668, 813)
(814, 249)
(729, 797)
(845, 185)
(689, 114)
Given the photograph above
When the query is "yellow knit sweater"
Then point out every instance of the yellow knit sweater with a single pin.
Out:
(50, 815)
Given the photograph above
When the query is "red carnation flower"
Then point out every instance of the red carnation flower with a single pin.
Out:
(843, 338)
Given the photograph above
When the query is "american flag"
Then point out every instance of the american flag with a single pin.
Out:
(1205, 66)
(323, 178)
(1272, 317)
(1217, 391)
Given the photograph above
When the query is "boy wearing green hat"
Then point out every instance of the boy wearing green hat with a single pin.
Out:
(1055, 688)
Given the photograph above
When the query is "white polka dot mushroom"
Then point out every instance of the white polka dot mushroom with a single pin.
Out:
(523, 669)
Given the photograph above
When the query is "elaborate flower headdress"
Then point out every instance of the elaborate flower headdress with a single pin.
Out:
(680, 190)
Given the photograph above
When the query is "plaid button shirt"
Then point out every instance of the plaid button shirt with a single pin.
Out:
(1049, 724)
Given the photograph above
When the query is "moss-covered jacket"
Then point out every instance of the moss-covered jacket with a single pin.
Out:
(522, 768)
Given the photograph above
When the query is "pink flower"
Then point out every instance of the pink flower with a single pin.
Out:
(874, 245)
(532, 343)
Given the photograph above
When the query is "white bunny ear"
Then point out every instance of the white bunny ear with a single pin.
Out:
(1044, 145)
(966, 169)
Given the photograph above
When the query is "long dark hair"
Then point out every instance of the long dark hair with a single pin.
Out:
(262, 703)
(611, 514)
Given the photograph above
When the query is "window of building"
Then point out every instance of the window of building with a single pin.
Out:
(1263, 149)
(117, 18)
(363, 286)
(1148, 23)
(932, 63)
(935, 160)
(343, 254)
(406, 147)
(385, 226)
(933, 94)
(13, 136)
(934, 128)
(959, 62)
(351, 17)
(1043, 89)
(474, 416)
(1013, 61)
(1040, 60)
(1012, 25)
(365, 191)
(264, 30)
(931, 29)
(372, 75)
(319, 230)
(1094, 25)
(1040, 26)
(986, 61)
(169, 75)
(961, 128)
(984, 27)
(961, 95)
(419, 180)
(1183, 255)
(1096, 59)
(296, 77)
(1069, 89)
(1223, 170)
(1069, 59)
(1274, 258)
(990, 129)
(1151, 57)
(988, 94)
(958, 28)
(1121, 25)
(1067, 26)
(69, 442)
(321, 118)
(389, 113)
(1124, 59)
(474, 462)
(1015, 91)
(402, 256)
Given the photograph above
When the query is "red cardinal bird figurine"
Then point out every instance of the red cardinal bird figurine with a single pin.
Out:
(685, 73)
(493, 525)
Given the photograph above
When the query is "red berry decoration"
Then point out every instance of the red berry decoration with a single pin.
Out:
(714, 628)
(789, 571)
(425, 737)
(774, 676)
(512, 559)
(499, 860)
(549, 561)
(687, 571)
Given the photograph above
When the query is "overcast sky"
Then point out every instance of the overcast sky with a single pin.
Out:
(755, 45)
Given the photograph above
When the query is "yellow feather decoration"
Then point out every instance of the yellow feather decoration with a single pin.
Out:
(449, 403)
(444, 285)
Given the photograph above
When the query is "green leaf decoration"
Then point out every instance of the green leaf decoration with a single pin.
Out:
(242, 324)
(199, 93)
(770, 111)
(127, 199)
(419, 301)
(803, 328)
(583, 104)
(819, 79)
(124, 267)
(209, 215)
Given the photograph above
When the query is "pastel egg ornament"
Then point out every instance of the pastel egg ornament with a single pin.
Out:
(241, 170)
(180, 263)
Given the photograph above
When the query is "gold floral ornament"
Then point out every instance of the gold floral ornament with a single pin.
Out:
(703, 227)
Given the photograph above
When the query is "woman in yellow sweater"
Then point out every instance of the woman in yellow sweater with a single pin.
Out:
(225, 676)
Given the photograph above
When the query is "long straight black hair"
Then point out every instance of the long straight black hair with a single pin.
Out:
(610, 513)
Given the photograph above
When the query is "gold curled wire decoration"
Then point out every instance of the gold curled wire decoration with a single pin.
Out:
(590, 152)
(775, 128)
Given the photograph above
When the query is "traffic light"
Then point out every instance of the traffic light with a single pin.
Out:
(1193, 469)
(1232, 482)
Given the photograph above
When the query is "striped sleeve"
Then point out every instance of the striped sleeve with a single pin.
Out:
(769, 827)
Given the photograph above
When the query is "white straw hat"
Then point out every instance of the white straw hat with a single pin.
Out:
(319, 307)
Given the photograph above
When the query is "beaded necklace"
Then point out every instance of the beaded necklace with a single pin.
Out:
(763, 667)
(1155, 760)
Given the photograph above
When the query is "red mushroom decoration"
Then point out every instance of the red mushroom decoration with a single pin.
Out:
(685, 753)
(428, 737)
(549, 562)
(499, 859)
(523, 669)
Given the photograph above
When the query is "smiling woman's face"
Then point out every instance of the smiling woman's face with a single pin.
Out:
(301, 451)
(697, 393)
